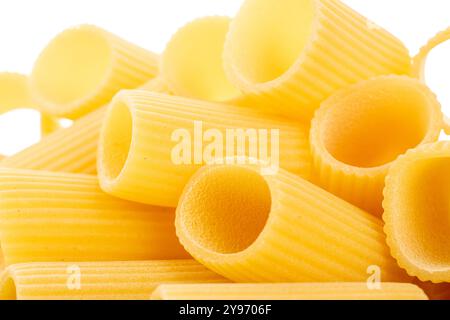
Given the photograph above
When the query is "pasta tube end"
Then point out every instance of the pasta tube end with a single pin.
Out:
(192, 61)
(416, 212)
(360, 131)
(83, 67)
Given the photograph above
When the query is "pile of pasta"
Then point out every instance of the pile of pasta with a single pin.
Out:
(357, 209)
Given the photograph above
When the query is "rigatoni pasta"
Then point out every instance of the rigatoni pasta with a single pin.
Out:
(192, 61)
(290, 58)
(215, 158)
(83, 67)
(128, 280)
(416, 212)
(288, 291)
(147, 153)
(278, 228)
(46, 216)
(359, 132)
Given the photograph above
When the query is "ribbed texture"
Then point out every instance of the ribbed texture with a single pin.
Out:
(362, 184)
(149, 175)
(66, 217)
(343, 48)
(420, 60)
(132, 280)
(129, 67)
(293, 291)
(72, 149)
(415, 212)
(310, 235)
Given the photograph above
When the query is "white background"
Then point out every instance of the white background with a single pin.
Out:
(27, 25)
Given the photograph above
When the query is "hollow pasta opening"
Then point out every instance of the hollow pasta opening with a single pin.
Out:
(192, 61)
(73, 66)
(372, 126)
(7, 287)
(226, 208)
(268, 37)
(423, 213)
(116, 140)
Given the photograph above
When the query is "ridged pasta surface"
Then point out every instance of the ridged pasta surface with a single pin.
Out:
(291, 291)
(281, 228)
(290, 58)
(99, 64)
(416, 210)
(359, 132)
(128, 280)
(137, 145)
(48, 216)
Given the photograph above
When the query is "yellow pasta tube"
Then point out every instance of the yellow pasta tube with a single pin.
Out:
(420, 60)
(83, 67)
(251, 227)
(359, 132)
(15, 94)
(192, 62)
(291, 291)
(151, 144)
(133, 280)
(416, 212)
(71, 149)
(291, 57)
(48, 216)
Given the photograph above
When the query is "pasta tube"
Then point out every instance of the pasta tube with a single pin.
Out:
(48, 216)
(15, 94)
(72, 149)
(251, 227)
(83, 67)
(134, 280)
(192, 62)
(151, 144)
(420, 60)
(291, 291)
(290, 58)
(359, 132)
(416, 212)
